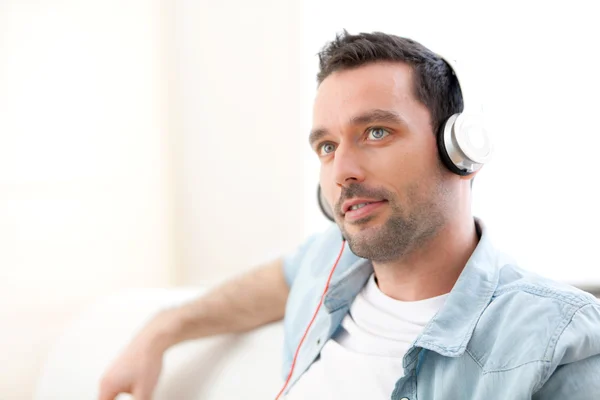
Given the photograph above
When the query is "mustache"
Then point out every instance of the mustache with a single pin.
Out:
(359, 190)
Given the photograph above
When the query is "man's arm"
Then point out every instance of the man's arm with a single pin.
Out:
(241, 304)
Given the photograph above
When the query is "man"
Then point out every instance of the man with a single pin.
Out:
(419, 305)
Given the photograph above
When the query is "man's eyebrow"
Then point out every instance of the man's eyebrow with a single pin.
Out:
(316, 135)
(369, 117)
(377, 115)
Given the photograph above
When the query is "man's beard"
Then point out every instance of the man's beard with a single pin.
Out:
(404, 231)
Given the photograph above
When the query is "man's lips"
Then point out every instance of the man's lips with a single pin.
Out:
(357, 204)
(363, 210)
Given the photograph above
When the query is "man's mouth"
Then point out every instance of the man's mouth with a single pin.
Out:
(357, 206)
(360, 208)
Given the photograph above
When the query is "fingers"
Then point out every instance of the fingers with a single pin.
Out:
(113, 385)
(108, 391)
(142, 393)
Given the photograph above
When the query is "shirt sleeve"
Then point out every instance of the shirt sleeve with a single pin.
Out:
(577, 376)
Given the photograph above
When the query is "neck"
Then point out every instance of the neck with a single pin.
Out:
(431, 270)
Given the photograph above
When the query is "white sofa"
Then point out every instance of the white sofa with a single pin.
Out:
(226, 367)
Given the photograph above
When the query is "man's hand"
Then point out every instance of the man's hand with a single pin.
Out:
(137, 368)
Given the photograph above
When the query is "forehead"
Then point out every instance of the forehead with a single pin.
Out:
(343, 94)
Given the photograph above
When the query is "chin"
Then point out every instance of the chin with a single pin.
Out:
(368, 222)
(362, 228)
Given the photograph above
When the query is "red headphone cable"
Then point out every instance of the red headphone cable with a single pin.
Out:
(312, 320)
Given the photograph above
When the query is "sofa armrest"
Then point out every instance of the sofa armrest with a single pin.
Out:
(222, 367)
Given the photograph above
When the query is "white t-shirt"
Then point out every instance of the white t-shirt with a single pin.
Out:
(364, 359)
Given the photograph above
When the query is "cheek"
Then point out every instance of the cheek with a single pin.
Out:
(393, 164)
(402, 166)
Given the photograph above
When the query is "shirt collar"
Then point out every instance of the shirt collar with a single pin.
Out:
(451, 328)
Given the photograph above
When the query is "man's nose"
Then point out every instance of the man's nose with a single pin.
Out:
(347, 166)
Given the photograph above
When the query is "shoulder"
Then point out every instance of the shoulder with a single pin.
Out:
(534, 319)
(562, 319)
(531, 294)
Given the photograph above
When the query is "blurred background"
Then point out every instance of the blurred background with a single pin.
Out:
(156, 143)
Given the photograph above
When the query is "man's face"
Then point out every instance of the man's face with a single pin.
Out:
(380, 170)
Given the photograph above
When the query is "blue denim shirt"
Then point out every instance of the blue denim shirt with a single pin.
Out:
(503, 333)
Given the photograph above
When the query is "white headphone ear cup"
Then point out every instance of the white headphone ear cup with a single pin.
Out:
(472, 138)
(446, 148)
(464, 144)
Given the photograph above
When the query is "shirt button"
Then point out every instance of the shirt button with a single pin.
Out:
(319, 342)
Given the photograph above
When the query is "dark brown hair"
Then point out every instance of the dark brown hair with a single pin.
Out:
(435, 84)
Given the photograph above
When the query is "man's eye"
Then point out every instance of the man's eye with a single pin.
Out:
(377, 133)
(326, 148)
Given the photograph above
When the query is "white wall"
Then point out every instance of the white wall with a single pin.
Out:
(239, 106)
(537, 63)
(141, 144)
(85, 206)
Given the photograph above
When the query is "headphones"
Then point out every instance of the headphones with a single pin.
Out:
(463, 142)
